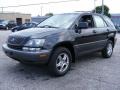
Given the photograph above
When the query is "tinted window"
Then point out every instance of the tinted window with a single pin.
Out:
(11, 22)
(34, 25)
(99, 21)
(108, 20)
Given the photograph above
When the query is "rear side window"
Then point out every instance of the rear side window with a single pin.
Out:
(99, 21)
(108, 20)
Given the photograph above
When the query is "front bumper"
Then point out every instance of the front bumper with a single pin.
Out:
(25, 56)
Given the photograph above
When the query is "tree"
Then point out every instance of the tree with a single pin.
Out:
(106, 10)
(49, 14)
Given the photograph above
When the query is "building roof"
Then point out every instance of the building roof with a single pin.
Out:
(115, 15)
(14, 13)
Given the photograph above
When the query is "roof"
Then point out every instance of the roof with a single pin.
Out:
(84, 12)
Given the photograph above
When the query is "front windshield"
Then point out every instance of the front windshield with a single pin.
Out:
(59, 21)
(26, 24)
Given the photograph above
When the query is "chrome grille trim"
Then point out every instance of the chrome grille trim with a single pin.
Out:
(16, 40)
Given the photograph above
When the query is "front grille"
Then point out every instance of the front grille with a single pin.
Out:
(15, 47)
(16, 40)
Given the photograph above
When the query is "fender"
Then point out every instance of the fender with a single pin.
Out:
(111, 35)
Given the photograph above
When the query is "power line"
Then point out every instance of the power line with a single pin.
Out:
(39, 3)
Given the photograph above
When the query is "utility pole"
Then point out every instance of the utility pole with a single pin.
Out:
(94, 6)
(102, 7)
(41, 10)
(2, 9)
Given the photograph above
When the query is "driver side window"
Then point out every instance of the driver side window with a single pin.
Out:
(88, 19)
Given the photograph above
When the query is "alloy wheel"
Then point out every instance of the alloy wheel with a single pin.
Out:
(62, 62)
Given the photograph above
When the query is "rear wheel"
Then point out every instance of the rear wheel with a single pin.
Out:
(60, 61)
(108, 50)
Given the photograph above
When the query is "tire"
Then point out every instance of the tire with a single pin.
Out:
(60, 62)
(15, 30)
(108, 50)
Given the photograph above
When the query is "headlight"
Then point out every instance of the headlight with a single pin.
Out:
(35, 43)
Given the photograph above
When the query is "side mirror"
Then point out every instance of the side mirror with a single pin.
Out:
(83, 25)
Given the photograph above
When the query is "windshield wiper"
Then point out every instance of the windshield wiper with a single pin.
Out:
(47, 26)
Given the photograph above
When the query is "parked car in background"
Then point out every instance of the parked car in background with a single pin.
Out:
(1, 20)
(60, 39)
(24, 26)
(6, 24)
(39, 19)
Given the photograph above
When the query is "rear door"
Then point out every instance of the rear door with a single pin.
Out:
(101, 31)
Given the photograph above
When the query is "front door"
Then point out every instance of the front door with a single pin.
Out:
(85, 41)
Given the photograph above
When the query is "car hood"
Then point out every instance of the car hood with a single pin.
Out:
(37, 32)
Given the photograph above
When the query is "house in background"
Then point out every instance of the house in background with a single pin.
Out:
(116, 19)
(19, 18)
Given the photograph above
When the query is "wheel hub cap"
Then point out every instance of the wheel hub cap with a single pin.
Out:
(62, 62)
(109, 49)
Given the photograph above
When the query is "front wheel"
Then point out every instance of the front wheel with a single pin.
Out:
(60, 61)
(108, 50)
(15, 30)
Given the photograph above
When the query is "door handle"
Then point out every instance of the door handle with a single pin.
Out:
(94, 31)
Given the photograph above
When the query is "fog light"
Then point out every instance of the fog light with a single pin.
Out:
(31, 49)
(25, 48)
(38, 49)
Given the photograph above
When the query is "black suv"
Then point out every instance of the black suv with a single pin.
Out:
(24, 26)
(6, 24)
(60, 39)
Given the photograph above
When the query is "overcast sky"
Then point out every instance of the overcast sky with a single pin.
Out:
(81, 5)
